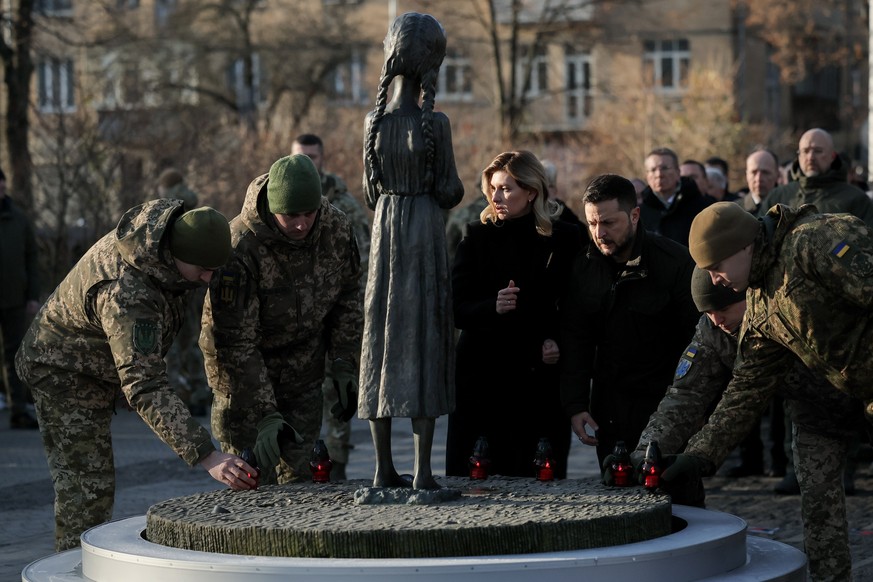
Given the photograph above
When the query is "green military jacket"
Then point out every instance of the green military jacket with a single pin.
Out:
(810, 298)
(279, 306)
(704, 371)
(828, 192)
(113, 318)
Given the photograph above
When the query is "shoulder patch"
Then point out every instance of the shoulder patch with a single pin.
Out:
(228, 288)
(840, 250)
(683, 367)
(145, 336)
(686, 361)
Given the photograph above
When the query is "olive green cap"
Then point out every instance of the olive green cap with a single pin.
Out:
(201, 237)
(720, 231)
(294, 185)
(709, 297)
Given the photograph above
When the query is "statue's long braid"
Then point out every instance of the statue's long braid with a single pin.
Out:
(374, 170)
(428, 86)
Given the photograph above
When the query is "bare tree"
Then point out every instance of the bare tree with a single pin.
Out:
(15, 50)
(807, 35)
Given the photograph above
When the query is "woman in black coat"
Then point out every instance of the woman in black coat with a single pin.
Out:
(507, 279)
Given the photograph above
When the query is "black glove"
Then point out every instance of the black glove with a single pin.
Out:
(345, 382)
(608, 478)
(682, 478)
(270, 429)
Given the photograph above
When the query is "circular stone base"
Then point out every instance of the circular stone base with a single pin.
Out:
(494, 517)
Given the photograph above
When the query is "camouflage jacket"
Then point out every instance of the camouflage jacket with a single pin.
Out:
(113, 318)
(810, 297)
(703, 373)
(335, 190)
(278, 306)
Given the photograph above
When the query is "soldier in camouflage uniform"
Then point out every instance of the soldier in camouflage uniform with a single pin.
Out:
(288, 298)
(104, 332)
(810, 286)
(337, 434)
(825, 419)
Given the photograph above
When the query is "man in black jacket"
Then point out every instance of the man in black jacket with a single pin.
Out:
(670, 202)
(629, 303)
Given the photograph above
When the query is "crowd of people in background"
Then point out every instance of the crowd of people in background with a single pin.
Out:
(617, 324)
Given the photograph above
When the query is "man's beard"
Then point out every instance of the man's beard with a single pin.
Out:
(624, 247)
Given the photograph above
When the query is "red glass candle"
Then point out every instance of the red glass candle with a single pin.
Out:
(479, 461)
(320, 463)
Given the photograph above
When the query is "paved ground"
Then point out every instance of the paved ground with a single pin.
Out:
(148, 472)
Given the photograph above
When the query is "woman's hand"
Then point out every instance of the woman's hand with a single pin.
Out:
(507, 298)
(551, 353)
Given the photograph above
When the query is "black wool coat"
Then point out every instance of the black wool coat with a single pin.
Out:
(504, 390)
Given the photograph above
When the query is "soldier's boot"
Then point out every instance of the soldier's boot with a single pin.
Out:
(338, 472)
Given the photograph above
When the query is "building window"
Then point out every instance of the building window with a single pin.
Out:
(54, 7)
(538, 81)
(666, 64)
(56, 82)
(346, 82)
(578, 89)
(248, 93)
(163, 10)
(455, 82)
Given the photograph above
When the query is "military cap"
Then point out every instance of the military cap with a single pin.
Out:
(201, 237)
(294, 185)
(719, 231)
(709, 297)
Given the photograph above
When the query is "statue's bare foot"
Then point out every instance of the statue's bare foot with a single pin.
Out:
(425, 482)
(390, 480)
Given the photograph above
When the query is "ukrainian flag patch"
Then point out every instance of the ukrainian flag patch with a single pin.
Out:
(691, 352)
(841, 249)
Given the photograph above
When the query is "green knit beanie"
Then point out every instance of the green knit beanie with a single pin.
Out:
(294, 186)
(709, 297)
(719, 231)
(201, 237)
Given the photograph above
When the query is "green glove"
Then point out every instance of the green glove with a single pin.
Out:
(345, 382)
(682, 478)
(267, 450)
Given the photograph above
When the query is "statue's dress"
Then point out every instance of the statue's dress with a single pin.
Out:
(407, 356)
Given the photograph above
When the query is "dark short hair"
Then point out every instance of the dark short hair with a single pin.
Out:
(664, 152)
(694, 163)
(716, 161)
(611, 187)
(309, 139)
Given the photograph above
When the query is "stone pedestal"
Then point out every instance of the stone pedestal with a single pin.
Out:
(498, 516)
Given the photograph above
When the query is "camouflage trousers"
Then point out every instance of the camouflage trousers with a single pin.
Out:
(74, 414)
(819, 462)
(337, 434)
(235, 418)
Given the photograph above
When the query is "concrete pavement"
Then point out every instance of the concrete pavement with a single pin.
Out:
(147, 471)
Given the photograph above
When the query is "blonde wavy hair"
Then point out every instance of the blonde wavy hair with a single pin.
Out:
(528, 171)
